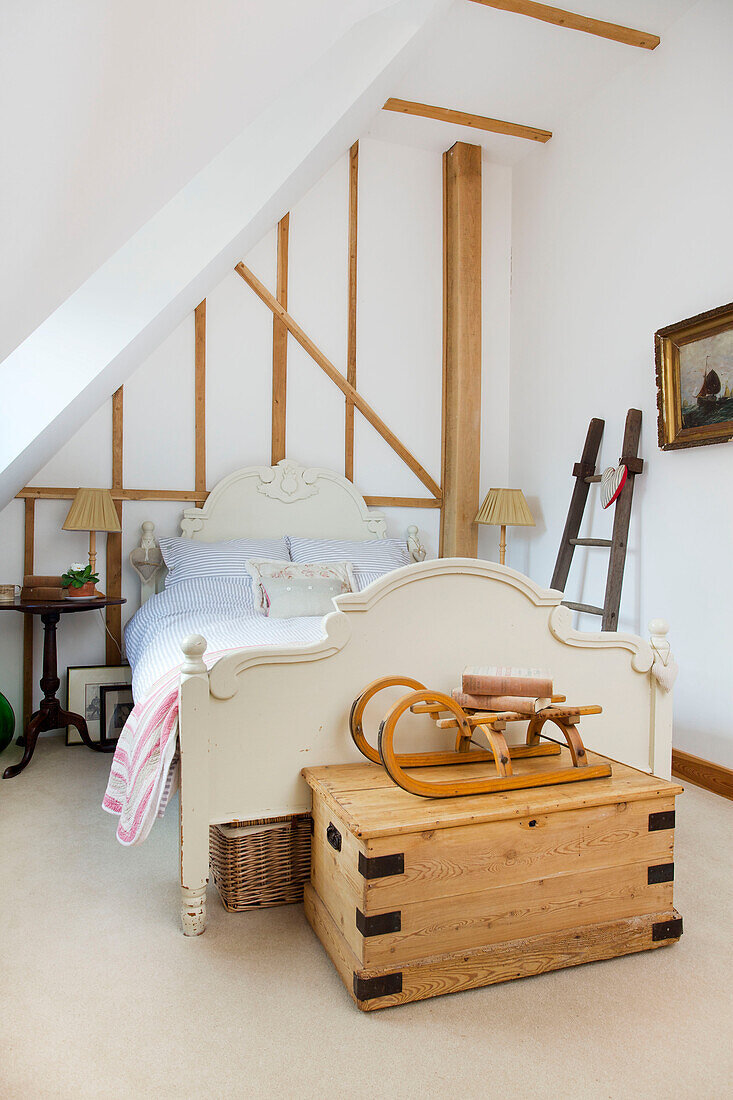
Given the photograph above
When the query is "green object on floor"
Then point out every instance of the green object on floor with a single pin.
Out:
(7, 723)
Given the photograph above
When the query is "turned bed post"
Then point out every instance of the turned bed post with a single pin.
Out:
(662, 673)
(194, 745)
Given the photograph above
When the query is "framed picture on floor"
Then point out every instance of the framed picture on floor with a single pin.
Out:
(116, 704)
(84, 696)
(694, 360)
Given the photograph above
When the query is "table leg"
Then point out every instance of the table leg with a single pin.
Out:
(68, 718)
(34, 727)
(50, 715)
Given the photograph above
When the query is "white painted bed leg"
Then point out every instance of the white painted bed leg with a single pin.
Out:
(194, 744)
(664, 669)
(193, 910)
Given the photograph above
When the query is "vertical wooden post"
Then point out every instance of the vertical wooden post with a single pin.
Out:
(28, 560)
(280, 346)
(351, 339)
(113, 644)
(200, 397)
(461, 349)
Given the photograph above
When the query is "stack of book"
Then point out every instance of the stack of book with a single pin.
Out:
(42, 589)
(492, 687)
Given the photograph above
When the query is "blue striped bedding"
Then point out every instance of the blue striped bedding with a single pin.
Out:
(220, 608)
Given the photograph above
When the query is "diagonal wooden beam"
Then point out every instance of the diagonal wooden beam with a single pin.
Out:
(462, 118)
(561, 18)
(337, 378)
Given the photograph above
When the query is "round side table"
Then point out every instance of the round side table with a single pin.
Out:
(51, 715)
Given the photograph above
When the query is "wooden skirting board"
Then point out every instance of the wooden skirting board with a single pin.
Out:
(703, 773)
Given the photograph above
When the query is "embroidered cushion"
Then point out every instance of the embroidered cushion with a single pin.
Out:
(339, 572)
(187, 559)
(294, 597)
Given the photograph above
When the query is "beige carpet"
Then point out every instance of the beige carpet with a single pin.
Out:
(103, 997)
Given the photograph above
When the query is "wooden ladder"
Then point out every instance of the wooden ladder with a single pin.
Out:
(584, 473)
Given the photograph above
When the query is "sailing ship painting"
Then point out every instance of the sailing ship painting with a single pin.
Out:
(694, 365)
(710, 387)
(706, 378)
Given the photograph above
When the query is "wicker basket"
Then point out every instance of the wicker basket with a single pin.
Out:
(258, 864)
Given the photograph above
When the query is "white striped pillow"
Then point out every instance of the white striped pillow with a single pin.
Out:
(371, 555)
(187, 560)
(364, 577)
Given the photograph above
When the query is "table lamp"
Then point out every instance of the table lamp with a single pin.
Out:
(92, 510)
(505, 508)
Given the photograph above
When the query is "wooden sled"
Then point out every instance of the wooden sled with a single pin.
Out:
(420, 700)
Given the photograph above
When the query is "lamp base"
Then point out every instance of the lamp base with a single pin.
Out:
(502, 545)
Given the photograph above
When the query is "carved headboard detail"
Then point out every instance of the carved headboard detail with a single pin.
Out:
(271, 501)
(286, 499)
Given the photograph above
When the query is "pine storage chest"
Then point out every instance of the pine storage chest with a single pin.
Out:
(414, 897)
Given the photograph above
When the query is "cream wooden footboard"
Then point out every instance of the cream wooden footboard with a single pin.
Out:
(250, 724)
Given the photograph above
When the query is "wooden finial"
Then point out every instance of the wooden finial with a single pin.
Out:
(194, 647)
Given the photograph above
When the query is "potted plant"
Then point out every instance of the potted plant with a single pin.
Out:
(79, 581)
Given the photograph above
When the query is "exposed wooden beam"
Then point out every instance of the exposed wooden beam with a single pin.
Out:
(200, 397)
(561, 18)
(113, 615)
(351, 334)
(337, 378)
(39, 492)
(461, 350)
(46, 492)
(28, 560)
(280, 347)
(404, 502)
(461, 118)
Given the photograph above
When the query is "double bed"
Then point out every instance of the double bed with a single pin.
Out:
(233, 704)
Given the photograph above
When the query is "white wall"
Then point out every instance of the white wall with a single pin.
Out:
(399, 371)
(621, 225)
(108, 109)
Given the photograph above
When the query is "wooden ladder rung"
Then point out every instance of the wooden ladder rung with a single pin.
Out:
(588, 608)
(592, 478)
(591, 542)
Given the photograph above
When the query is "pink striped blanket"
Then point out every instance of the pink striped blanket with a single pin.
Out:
(144, 772)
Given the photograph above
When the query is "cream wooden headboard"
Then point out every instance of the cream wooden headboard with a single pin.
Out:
(269, 502)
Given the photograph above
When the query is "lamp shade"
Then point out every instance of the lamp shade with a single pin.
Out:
(92, 510)
(505, 507)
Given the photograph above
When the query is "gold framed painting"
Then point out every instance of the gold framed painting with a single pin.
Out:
(695, 380)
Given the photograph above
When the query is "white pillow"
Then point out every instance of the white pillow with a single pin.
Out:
(262, 571)
(371, 555)
(187, 559)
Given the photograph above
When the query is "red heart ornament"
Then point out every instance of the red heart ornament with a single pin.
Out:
(613, 480)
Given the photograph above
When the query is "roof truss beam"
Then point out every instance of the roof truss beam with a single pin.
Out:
(462, 118)
(574, 22)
